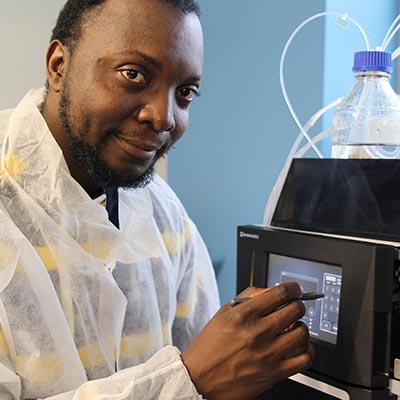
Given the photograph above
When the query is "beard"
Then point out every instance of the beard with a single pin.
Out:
(89, 157)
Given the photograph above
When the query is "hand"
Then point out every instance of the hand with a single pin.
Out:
(246, 349)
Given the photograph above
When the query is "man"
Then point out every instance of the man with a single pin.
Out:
(93, 309)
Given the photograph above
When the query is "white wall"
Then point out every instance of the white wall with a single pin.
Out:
(25, 30)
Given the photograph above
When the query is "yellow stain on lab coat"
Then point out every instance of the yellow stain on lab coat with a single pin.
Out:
(185, 308)
(3, 344)
(139, 344)
(176, 242)
(14, 165)
(101, 251)
(91, 355)
(46, 257)
(40, 368)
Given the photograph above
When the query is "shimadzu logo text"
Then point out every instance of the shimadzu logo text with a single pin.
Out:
(249, 235)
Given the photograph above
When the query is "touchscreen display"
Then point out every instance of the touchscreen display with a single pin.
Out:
(322, 315)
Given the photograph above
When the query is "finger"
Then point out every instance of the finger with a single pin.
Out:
(298, 363)
(291, 326)
(294, 341)
(246, 295)
(269, 300)
(251, 291)
(296, 352)
(282, 318)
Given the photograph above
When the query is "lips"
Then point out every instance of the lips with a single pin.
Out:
(144, 150)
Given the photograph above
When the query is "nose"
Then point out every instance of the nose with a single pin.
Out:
(159, 113)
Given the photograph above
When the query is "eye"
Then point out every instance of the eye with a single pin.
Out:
(133, 75)
(188, 93)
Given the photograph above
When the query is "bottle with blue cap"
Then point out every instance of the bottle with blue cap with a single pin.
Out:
(366, 123)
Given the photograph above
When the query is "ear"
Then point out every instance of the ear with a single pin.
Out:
(56, 61)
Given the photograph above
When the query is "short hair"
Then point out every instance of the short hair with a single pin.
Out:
(67, 29)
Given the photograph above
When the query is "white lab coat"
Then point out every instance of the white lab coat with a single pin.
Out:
(80, 299)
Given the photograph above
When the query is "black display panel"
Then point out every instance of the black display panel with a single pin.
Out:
(358, 352)
(321, 316)
(352, 197)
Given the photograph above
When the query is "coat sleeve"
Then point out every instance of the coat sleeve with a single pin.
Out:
(163, 376)
(197, 295)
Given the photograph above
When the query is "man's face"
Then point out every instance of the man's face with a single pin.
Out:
(127, 88)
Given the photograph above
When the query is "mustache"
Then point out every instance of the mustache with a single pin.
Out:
(119, 132)
(161, 152)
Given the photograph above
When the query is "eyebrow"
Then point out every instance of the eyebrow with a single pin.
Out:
(146, 57)
(156, 64)
(193, 79)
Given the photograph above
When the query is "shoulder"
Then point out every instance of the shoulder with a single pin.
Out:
(166, 204)
(166, 207)
(5, 116)
(160, 189)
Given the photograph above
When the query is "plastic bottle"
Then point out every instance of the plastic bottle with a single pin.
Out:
(366, 123)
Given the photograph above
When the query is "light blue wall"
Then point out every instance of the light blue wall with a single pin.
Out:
(241, 131)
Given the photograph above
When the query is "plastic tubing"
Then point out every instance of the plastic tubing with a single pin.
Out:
(391, 32)
(396, 53)
(385, 44)
(294, 151)
(282, 61)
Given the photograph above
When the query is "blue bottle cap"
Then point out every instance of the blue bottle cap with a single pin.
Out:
(372, 61)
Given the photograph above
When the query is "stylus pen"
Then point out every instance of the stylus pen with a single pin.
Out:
(303, 296)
